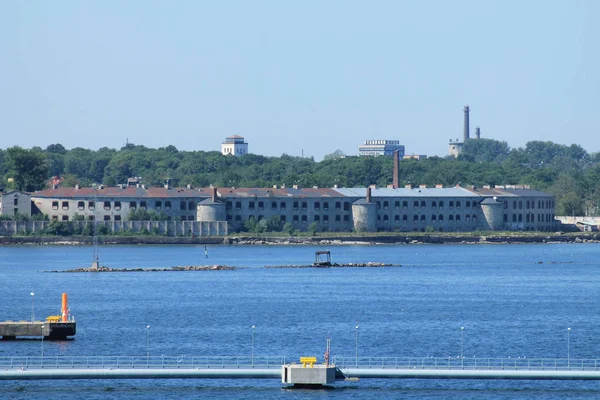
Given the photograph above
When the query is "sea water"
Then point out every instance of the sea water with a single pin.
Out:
(511, 300)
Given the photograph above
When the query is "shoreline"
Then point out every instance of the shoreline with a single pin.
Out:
(383, 239)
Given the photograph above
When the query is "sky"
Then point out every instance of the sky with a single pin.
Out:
(301, 78)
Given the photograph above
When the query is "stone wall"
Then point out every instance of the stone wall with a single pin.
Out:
(164, 228)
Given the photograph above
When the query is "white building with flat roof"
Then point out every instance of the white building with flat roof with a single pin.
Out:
(375, 148)
(234, 145)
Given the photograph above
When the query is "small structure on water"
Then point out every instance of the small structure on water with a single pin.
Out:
(56, 327)
(322, 258)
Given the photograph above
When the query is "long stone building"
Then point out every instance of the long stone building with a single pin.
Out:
(408, 209)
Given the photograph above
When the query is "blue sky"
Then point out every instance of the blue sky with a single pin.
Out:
(312, 76)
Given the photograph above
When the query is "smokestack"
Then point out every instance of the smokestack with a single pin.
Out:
(466, 124)
(214, 194)
(478, 132)
(396, 166)
(368, 195)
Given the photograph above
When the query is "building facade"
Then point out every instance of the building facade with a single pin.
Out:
(234, 145)
(408, 209)
(115, 203)
(15, 202)
(376, 148)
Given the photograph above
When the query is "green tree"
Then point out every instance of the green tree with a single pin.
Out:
(27, 168)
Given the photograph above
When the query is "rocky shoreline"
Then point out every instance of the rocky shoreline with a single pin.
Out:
(321, 239)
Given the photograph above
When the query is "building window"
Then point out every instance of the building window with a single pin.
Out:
(91, 217)
(440, 218)
(282, 205)
(415, 218)
(282, 218)
(251, 205)
(457, 217)
(520, 217)
(441, 205)
(261, 205)
(191, 205)
(468, 218)
(238, 205)
(55, 217)
(423, 205)
(396, 218)
(396, 205)
(325, 219)
(273, 205)
(317, 205)
(457, 204)
(238, 218)
(65, 218)
(451, 205)
(132, 204)
(295, 205)
(158, 205)
(317, 218)
(80, 205)
(520, 204)
(514, 218)
(183, 205)
(295, 218)
(304, 205)
(405, 218)
(433, 218)
(326, 205)
(346, 206)
(415, 204)
(527, 204)
(65, 205)
(423, 219)
(107, 217)
(468, 204)
(117, 205)
(304, 219)
(451, 218)
(117, 217)
(505, 218)
(346, 218)
(338, 205)
(338, 218)
(16, 201)
(405, 204)
(378, 205)
(386, 205)
(91, 205)
(385, 218)
(107, 205)
(434, 204)
(167, 205)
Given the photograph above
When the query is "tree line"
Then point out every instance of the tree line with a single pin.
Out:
(569, 172)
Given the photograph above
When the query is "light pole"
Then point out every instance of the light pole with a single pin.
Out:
(569, 345)
(148, 345)
(253, 327)
(42, 345)
(356, 343)
(462, 330)
(32, 306)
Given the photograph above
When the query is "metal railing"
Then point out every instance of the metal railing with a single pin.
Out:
(139, 362)
(453, 363)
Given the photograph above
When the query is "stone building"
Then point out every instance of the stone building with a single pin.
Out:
(15, 202)
(115, 203)
(408, 209)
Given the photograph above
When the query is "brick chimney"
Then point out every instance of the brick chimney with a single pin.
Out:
(214, 194)
(396, 167)
(368, 194)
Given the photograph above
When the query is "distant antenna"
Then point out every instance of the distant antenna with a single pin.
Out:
(302, 153)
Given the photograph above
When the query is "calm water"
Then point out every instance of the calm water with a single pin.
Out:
(509, 303)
